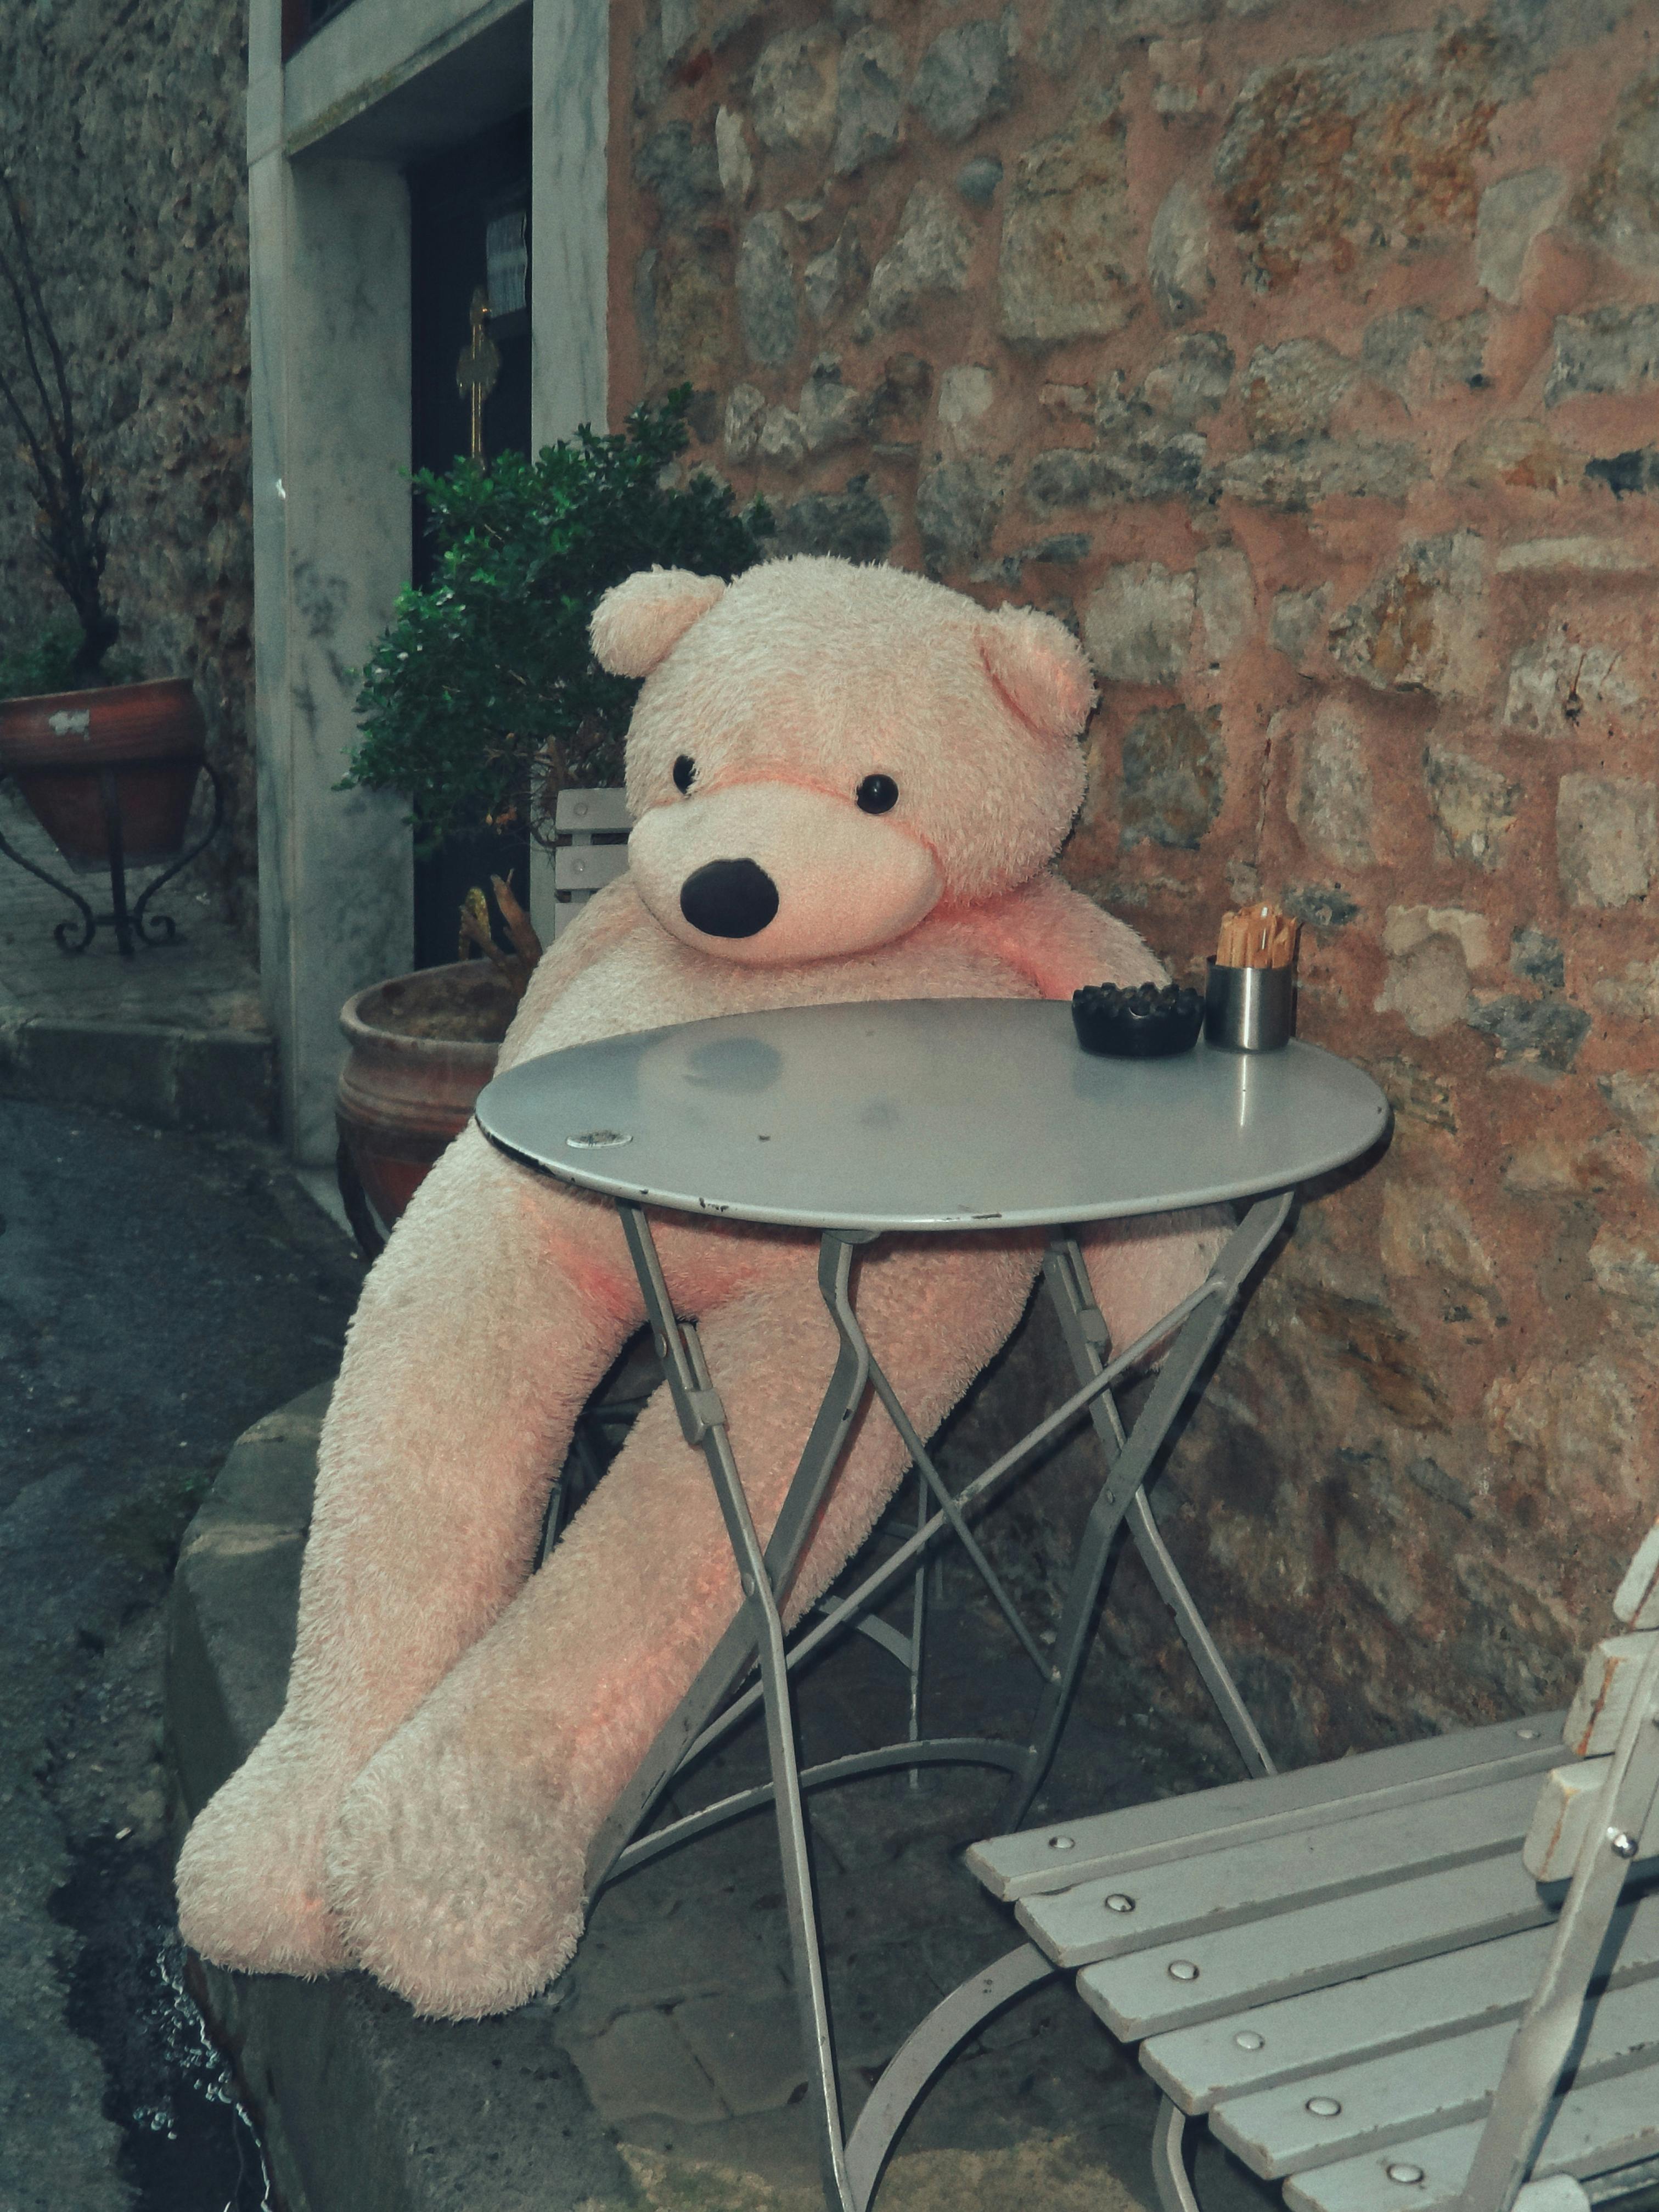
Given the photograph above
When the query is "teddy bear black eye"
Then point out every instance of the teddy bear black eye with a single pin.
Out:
(877, 794)
(685, 769)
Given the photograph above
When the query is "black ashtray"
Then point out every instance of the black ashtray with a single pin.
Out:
(1145, 1022)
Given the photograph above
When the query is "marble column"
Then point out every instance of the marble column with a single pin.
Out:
(329, 247)
(384, 82)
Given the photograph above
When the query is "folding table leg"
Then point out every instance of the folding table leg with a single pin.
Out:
(703, 1420)
(683, 1737)
(1130, 1461)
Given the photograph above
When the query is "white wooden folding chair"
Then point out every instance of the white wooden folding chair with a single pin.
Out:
(589, 832)
(1365, 1977)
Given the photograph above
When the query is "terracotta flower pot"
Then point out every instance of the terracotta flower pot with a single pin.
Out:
(150, 736)
(423, 1047)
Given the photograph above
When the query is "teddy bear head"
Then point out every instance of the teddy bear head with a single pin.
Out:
(821, 753)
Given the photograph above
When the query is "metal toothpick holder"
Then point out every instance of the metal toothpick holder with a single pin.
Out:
(1250, 1009)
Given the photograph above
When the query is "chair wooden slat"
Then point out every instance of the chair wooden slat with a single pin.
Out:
(1139, 1995)
(1112, 1844)
(1471, 1987)
(587, 867)
(1340, 2110)
(1282, 1874)
(1595, 2130)
(598, 813)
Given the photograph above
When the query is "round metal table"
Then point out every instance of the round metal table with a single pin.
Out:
(927, 1115)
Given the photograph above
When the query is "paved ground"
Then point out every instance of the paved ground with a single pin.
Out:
(205, 981)
(675, 2028)
(157, 1293)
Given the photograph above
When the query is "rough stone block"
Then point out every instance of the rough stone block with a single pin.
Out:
(1138, 627)
(1590, 556)
(1608, 349)
(793, 99)
(1513, 211)
(1298, 475)
(967, 77)
(830, 277)
(1513, 455)
(1291, 390)
(766, 291)
(1178, 254)
(1069, 240)
(745, 412)
(930, 254)
(1332, 801)
(1607, 838)
(853, 524)
(957, 505)
(1363, 149)
(1474, 807)
(1547, 1030)
(733, 161)
(1174, 777)
(869, 100)
(1421, 626)
(1626, 1270)
(1620, 200)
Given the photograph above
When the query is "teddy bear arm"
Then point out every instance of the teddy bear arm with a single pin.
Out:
(612, 915)
(1059, 939)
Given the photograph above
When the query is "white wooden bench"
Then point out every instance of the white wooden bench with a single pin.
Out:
(1365, 1977)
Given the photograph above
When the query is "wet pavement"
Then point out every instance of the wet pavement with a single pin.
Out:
(157, 1294)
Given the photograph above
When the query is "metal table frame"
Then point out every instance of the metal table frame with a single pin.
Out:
(718, 1701)
(1197, 1324)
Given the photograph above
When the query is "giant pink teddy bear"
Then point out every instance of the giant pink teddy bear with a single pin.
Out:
(849, 783)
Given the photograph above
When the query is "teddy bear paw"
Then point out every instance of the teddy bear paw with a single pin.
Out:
(249, 1878)
(454, 1883)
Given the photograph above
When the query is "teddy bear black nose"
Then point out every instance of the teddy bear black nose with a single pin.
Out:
(729, 898)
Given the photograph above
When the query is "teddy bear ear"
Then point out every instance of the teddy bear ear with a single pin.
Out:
(639, 621)
(1040, 668)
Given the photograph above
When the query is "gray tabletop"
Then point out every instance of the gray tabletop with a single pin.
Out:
(925, 1114)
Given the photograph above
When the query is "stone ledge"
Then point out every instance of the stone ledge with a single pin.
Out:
(363, 2107)
(170, 1077)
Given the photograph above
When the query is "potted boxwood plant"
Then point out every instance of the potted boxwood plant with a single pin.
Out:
(77, 735)
(481, 703)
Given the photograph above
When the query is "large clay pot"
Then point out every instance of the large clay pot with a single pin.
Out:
(150, 736)
(423, 1047)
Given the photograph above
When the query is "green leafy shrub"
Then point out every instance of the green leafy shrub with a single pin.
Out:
(483, 699)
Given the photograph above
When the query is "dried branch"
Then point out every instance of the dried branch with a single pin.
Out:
(69, 532)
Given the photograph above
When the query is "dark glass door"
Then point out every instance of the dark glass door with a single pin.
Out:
(470, 233)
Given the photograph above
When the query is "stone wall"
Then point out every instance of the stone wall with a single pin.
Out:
(121, 123)
(1304, 359)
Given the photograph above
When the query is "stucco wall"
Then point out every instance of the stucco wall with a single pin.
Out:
(122, 125)
(1305, 358)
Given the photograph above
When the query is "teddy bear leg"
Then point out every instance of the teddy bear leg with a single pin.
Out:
(478, 1338)
(1140, 1269)
(458, 1864)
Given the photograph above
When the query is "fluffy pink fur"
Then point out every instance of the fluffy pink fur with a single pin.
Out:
(456, 1729)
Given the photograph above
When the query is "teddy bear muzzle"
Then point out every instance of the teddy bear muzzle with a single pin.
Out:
(729, 898)
(764, 872)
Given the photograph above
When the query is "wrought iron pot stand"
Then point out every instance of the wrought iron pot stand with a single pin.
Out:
(133, 921)
(674, 1119)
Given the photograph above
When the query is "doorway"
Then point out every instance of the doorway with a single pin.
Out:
(469, 231)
